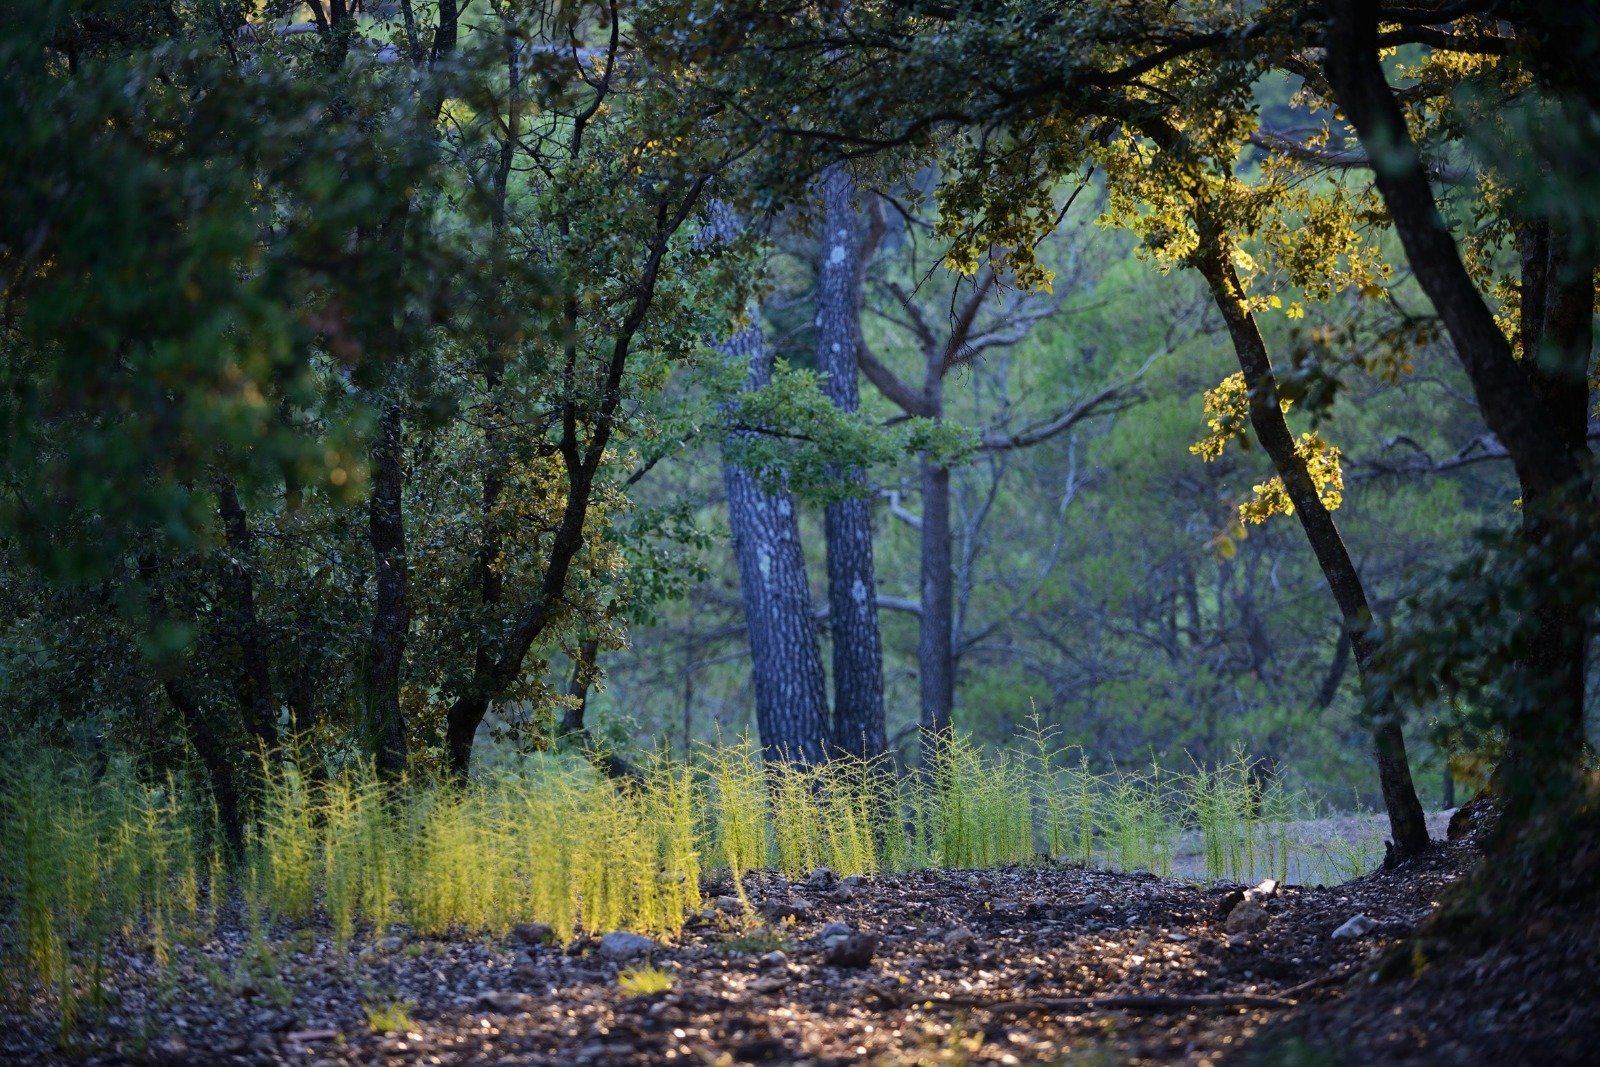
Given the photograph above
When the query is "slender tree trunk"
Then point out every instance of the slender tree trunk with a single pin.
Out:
(785, 657)
(936, 640)
(583, 672)
(858, 714)
(385, 725)
(255, 672)
(580, 462)
(208, 745)
(463, 717)
(585, 669)
(1543, 760)
(1407, 825)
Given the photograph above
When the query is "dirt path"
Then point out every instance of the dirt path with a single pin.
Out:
(1014, 966)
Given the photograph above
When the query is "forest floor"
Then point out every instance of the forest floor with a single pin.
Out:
(1015, 966)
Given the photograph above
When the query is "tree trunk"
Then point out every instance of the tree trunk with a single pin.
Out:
(858, 714)
(208, 745)
(1557, 319)
(1543, 760)
(935, 644)
(785, 657)
(255, 672)
(1407, 825)
(385, 725)
(572, 726)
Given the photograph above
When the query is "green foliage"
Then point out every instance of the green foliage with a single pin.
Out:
(390, 1016)
(644, 981)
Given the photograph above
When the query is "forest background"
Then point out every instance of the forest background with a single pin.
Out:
(383, 399)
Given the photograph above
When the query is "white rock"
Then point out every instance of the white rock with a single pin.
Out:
(1355, 926)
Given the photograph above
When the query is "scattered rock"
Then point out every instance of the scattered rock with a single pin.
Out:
(855, 881)
(391, 945)
(796, 908)
(959, 938)
(841, 894)
(531, 934)
(731, 905)
(1231, 899)
(774, 959)
(169, 1050)
(1266, 889)
(769, 983)
(506, 1003)
(851, 950)
(1247, 917)
(821, 878)
(836, 929)
(1179, 936)
(620, 945)
(1354, 927)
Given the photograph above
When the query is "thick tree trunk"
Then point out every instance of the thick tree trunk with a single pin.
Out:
(1557, 336)
(785, 657)
(255, 672)
(1516, 401)
(858, 714)
(385, 725)
(1407, 825)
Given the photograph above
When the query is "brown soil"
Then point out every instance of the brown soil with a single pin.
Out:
(1061, 965)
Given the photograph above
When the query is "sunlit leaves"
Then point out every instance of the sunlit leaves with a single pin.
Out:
(1322, 464)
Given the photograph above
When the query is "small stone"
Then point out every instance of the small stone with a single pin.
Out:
(391, 945)
(855, 881)
(731, 905)
(796, 908)
(504, 1002)
(1354, 927)
(774, 959)
(531, 934)
(1179, 936)
(1230, 900)
(959, 938)
(769, 983)
(169, 1050)
(836, 929)
(1247, 917)
(1268, 888)
(841, 894)
(821, 878)
(620, 945)
(852, 950)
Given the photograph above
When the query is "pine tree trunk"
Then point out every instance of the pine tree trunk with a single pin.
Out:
(785, 657)
(858, 714)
